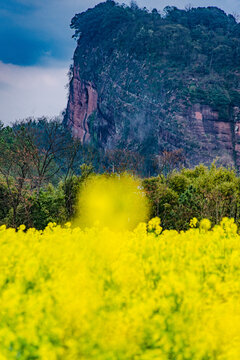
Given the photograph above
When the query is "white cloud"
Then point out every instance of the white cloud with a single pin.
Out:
(32, 91)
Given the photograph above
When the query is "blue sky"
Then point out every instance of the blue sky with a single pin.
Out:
(36, 49)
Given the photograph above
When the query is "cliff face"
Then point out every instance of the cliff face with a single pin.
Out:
(153, 98)
(215, 136)
(203, 135)
(83, 99)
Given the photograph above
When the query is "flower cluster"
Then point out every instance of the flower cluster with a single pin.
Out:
(154, 226)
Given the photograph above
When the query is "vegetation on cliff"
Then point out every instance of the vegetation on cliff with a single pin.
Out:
(195, 52)
(150, 68)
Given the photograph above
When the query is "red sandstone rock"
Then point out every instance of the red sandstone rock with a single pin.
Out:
(201, 124)
(82, 103)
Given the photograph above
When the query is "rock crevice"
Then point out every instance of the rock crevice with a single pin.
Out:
(82, 103)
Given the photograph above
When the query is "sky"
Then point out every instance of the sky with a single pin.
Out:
(36, 49)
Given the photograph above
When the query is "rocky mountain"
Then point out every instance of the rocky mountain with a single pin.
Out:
(149, 81)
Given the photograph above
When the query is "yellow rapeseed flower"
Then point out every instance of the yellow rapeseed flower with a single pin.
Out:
(100, 292)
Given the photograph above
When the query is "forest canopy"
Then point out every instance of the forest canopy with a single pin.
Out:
(197, 49)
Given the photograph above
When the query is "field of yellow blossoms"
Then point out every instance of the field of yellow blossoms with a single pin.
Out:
(143, 293)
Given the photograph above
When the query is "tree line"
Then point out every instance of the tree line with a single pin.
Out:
(42, 169)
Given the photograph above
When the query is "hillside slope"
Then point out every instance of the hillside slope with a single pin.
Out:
(149, 82)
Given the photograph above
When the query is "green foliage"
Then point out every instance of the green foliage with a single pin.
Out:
(200, 192)
(72, 187)
(178, 182)
(4, 201)
(49, 206)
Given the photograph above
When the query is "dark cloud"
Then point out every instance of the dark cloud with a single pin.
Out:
(33, 31)
(16, 7)
(22, 47)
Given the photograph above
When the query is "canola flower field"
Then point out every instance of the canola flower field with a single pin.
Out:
(135, 293)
